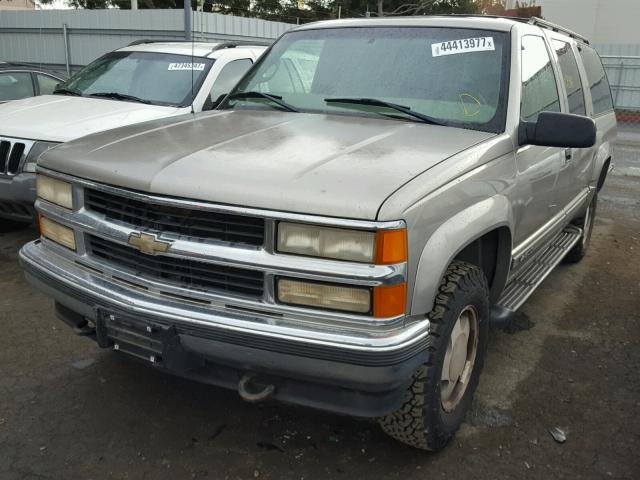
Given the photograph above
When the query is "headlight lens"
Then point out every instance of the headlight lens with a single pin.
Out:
(381, 247)
(57, 232)
(37, 149)
(319, 295)
(327, 242)
(384, 301)
(54, 191)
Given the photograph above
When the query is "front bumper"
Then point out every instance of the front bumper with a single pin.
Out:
(17, 196)
(344, 371)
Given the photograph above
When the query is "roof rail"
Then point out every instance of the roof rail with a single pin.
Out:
(144, 41)
(238, 43)
(557, 28)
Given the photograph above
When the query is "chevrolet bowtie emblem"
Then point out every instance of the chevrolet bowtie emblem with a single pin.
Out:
(148, 243)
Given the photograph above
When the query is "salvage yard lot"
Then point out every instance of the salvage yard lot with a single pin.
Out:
(69, 410)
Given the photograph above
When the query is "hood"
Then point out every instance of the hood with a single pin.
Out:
(59, 118)
(333, 165)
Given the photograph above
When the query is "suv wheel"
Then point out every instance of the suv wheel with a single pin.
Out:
(579, 250)
(11, 225)
(442, 389)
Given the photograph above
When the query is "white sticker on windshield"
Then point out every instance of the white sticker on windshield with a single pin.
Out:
(451, 47)
(186, 66)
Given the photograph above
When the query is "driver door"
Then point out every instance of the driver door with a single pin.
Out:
(538, 167)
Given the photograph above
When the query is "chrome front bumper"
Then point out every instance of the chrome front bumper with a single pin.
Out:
(86, 291)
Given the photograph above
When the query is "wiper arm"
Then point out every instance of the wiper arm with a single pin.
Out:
(381, 103)
(67, 91)
(277, 99)
(119, 96)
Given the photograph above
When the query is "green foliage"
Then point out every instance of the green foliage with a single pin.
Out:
(292, 11)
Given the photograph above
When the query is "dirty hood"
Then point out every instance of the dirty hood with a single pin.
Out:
(343, 166)
(59, 118)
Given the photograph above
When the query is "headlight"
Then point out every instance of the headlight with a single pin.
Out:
(54, 191)
(58, 233)
(380, 302)
(37, 149)
(334, 297)
(381, 247)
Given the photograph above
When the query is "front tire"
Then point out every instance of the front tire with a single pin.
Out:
(7, 225)
(442, 389)
(579, 250)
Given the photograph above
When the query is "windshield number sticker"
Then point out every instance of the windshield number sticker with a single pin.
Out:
(451, 47)
(186, 66)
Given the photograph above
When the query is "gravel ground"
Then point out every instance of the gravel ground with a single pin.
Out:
(69, 410)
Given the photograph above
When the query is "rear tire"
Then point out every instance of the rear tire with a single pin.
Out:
(579, 250)
(441, 392)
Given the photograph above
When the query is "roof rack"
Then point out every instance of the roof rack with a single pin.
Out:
(556, 28)
(540, 22)
(238, 43)
(157, 40)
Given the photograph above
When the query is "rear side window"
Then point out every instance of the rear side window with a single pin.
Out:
(230, 74)
(15, 85)
(598, 83)
(47, 84)
(539, 88)
(570, 77)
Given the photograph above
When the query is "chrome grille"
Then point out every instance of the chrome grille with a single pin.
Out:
(187, 222)
(11, 155)
(180, 272)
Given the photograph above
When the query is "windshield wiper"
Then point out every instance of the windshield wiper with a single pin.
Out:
(381, 103)
(119, 96)
(277, 99)
(67, 91)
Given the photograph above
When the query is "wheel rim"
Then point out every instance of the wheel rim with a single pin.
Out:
(459, 358)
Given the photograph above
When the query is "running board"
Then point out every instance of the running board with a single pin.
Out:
(524, 283)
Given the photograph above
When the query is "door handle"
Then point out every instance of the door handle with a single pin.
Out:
(568, 155)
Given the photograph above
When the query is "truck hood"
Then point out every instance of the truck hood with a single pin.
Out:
(58, 118)
(333, 165)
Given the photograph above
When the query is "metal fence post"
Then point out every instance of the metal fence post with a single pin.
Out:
(65, 36)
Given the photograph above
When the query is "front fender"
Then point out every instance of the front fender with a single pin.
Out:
(449, 239)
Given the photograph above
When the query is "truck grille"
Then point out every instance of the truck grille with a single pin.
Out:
(178, 220)
(179, 272)
(10, 156)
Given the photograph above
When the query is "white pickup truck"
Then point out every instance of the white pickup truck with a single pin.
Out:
(146, 80)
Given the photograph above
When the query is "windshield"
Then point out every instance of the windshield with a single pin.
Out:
(157, 78)
(454, 76)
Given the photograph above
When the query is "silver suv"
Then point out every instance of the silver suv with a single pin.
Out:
(342, 230)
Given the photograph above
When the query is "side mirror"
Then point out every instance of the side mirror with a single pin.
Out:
(554, 129)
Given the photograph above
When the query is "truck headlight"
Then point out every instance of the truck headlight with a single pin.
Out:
(58, 233)
(381, 247)
(379, 302)
(54, 191)
(37, 149)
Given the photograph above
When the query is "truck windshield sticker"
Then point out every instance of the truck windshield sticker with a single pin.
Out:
(451, 47)
(186, 66)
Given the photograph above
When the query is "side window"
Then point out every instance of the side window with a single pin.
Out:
(539, 88)
(598, 83)
(571, 77)
(15, 85)
(228, 77)
(47, 84)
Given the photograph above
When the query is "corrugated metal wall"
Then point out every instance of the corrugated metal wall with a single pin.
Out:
(37, 36)
(622, 63)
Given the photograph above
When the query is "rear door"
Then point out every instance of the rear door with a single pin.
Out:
(576, 170)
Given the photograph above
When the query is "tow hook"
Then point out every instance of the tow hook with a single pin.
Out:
(245, 389)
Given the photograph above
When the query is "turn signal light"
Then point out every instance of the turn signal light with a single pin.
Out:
(391, 246)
